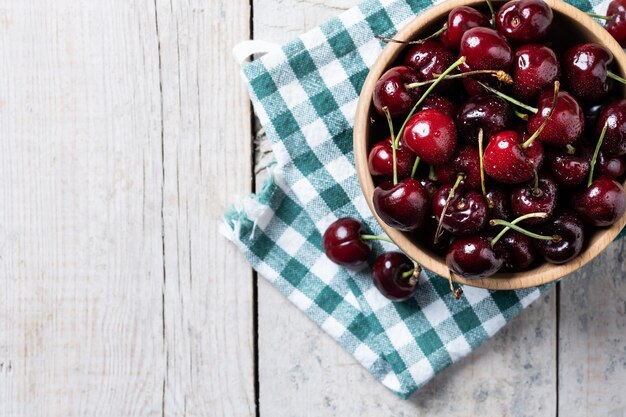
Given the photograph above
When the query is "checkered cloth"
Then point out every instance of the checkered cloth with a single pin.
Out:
(305, 96)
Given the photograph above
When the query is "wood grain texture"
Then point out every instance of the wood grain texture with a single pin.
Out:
(592, 333)
(207, 147)
(302, 372)
(80, 219)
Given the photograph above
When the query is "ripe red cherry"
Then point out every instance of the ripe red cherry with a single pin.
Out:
(390, 91)
(460, 20)
(505, 159)
(473, 88)
(380, 160)
(466, 212)
(343, 244)
(485, 49)
(499, 204)
(517, 250)
(602, 203)
(387, 274)
(465, 161)
(429, 59)
(441, 103)
(431, 135)
(426, 237)
(403, 206)
(566, 124)
(488, 112)
(525, 199)
(612, 166)
(614, 116)
(524, 21)
(617, 25)
(535, 69)
(585, 69)
(473, 257)
(567, 170)
(571, 231)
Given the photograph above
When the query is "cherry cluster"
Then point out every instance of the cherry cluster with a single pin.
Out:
(513, 133)
(507, 151)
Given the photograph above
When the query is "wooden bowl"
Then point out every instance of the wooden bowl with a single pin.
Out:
(570, 25)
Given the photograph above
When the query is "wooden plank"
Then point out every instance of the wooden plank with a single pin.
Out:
(592, 348)
(207, 150)
(80, 219)
(303, 372)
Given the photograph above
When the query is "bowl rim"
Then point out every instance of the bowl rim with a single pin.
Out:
(543, 274)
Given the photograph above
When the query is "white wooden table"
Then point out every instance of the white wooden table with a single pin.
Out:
(125, 133)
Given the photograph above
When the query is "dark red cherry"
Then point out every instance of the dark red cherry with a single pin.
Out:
(485, 49)
(566, 123)
(571, 231)
(488, 112)
(524, 21)
(617, 25)
(499, 204)
(390, 91)
(612, 166)
(473, 88)
(614, 115)
(585, 71)
(535, 69)
(567, 170)
(343, 244)
(525, 199)
(473, 257)
(387, 274)
(505, 159)
(431, 135)
(465, 161)
(380, 160)
(430, 186)
(429, 59)
(602, 203)
(426, 238)
(460, 20)
(518, 251)
(466, 212)
(441, 103)
(403, 206)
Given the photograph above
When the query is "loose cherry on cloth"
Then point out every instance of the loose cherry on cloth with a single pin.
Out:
(280, 230)
(395, 276)
(343, 244)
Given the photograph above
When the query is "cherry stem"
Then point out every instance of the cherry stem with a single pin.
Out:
(534, 136)
(417, 42)
(513, 226)
(438, 232)
(569, 149)
(431, 174)
(493, 13)
(595, 154)
(374, 237)
(499, 74)
(394, 145)
(456, 292)
(415, 165)
(521, 115)
(599, 16)
(616, 77)
(508, 98)
(427, 92)
(482, 164)
(536, 190)
(413, 274)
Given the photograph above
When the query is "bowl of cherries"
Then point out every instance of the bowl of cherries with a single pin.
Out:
(490, 144)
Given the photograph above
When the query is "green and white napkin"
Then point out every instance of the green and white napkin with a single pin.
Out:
(305, 96)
